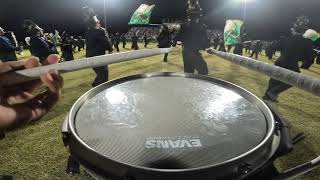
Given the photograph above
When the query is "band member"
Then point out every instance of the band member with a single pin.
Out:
(164, 40)
(39, 47)
(112, 39)
(222, 45)
(135, 40)
(216, 42)
(80, 43)
(146, 40)
(293, 49)
(174, 38)
(124, 41)
(256, 46)
(194, 38)
(66, 47)
(98, 42)
(117, 41)
(8, 46)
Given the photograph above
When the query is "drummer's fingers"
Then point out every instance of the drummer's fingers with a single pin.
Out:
(28, 86)
(18, 65)
(10, 66)
(42, 103)
(51, 59)
(33, 110)
(17, 98)
(32, 62)
(53, 80)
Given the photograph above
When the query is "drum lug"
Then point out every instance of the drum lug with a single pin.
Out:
(65, 125)
(278, 128)
(65, 131)
(244, 168)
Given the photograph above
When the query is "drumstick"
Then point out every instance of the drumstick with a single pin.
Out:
(295, 79)
(299, 170)
(26, 75)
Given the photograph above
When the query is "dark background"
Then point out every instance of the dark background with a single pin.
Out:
(266, 19)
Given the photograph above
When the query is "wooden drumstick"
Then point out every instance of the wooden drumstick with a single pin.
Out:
(26, 75)
(295, 79)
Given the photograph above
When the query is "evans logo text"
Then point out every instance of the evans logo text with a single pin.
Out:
(172, 143)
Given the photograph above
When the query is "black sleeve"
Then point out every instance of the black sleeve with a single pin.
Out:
(180, 32)
(205, 40)
(105, 40)
(41, 49)
(5, 47)
(308, 56)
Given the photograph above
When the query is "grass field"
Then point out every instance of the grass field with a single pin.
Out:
(37, 151)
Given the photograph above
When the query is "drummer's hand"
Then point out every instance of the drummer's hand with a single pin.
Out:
(18, 106)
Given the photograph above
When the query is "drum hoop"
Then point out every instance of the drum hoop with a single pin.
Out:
(241, 91)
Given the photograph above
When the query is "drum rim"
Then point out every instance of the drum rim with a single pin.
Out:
(238, 89)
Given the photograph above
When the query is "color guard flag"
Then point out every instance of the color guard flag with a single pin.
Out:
(142, 15)
(232, 32)
(312, 35)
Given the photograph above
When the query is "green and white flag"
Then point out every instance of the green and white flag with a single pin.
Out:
(142, 15)
(312, 35)
(232, 32)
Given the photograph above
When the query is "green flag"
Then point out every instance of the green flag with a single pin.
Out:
(142, 15)
(232, 32)
(312, 35)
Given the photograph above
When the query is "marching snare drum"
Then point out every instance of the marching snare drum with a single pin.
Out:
(170, 126)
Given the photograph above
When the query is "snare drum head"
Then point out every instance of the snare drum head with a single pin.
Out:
(170, 122)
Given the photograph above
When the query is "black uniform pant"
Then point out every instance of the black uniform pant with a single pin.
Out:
(116, 45)
(165, 58)
(222, 48)
(80, 47)
(275, 88)
(269, 54)
(318, 60)
(174, 43)
(145, 44)
(102, 75)
(67, 56)
(215, 46)
(238, 49)
(135, 46)
(255, 53)
(124, 43)
(193, 60)
(229, 48)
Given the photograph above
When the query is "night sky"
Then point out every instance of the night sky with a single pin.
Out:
(266, 19)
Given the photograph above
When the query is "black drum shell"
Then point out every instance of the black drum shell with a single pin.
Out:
(237, 168)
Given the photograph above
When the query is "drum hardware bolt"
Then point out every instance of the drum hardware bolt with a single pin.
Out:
(244, 168)
(278, 128)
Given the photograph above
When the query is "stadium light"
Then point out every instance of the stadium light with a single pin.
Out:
(108, 5)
